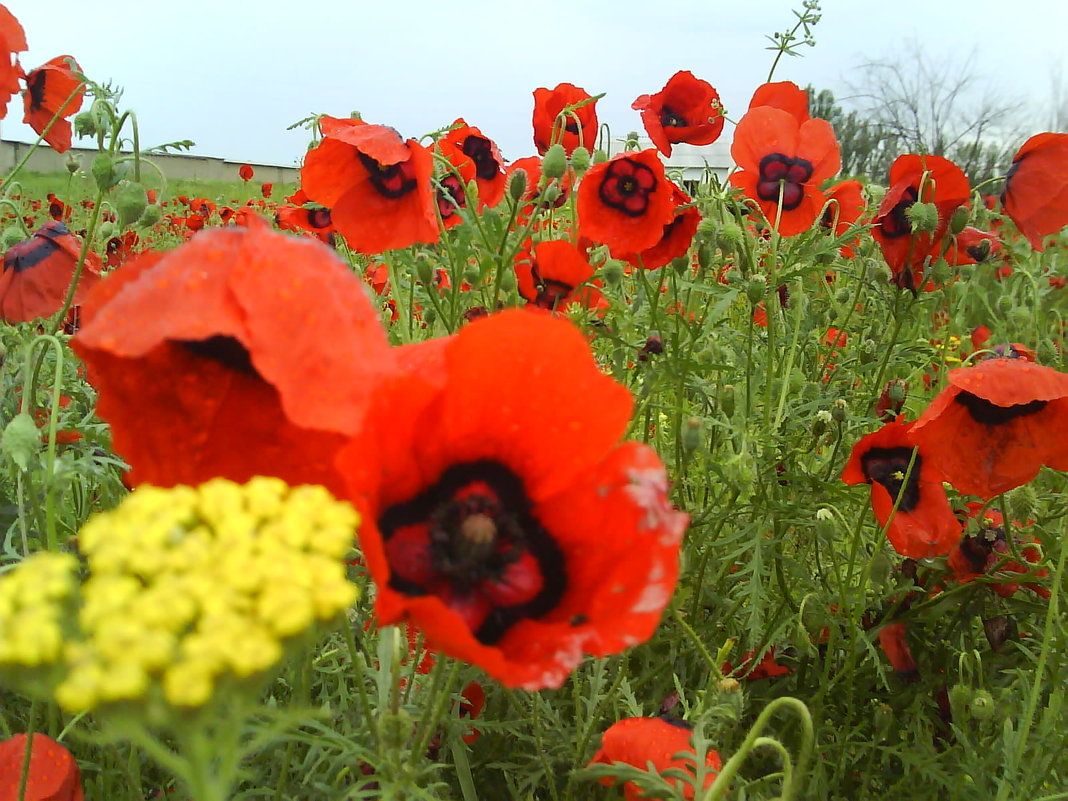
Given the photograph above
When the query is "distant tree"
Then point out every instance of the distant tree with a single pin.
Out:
(1058, 105)
(867, 149)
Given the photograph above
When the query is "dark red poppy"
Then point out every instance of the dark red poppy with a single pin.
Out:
(943, 184)
(378, 187)
(53, 773)
(456, 172)
(980, 552)
(751, 670)
(12, 41)
(245, 172)
(783, 163)
(664, 741)
(676, 238)
(53, 92)
(482, 152)
(686, 110)
(574, 128)
(484, 504)
(895, 646)
(1036, 189)
(972, 246)
(784, 95)
(244, 352)
(845, 205)
(996, 424)
(548, 274)
(924, 525)
(37, 274)
(625, 202)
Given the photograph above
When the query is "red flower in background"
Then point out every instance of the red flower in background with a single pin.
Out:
(895, 646)
(378, 188)
(687, 110)
(675, 238)
(267, 189)
(53, 773)
(245, 172)
(37, 274)
(783, 162)
(244, 352)
(1036, 189)
(548, 275)
(924, 525)
(53, 91)
(845, 205)
(532, 194)
(485, 503)
(941, 183)
(784, 95)
(451, 189)
(482, 152)
(664, 741)
(996, 424)
(979, 553)
(625, 202)
(12, 41)
(576, 128)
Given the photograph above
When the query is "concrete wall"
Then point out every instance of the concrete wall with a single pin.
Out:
(180, 166)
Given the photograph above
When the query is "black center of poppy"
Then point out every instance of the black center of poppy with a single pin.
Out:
(669, 119)
(451, 195)
(225, 350)
(990, 414)
(896, 223)
(551, 291)
(472, 540)
(480, 150)
(391, 180)
(35, 86)
(787, 172)
(626, 187)
(888, 466)
(319, 218)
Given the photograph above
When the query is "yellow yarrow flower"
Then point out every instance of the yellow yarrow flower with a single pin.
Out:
(33, 600)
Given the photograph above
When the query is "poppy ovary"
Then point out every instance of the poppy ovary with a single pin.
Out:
(473, 540)
(669, 119)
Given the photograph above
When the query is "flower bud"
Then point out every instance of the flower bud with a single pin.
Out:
(839, 411)
(754, 288)
(731, 236)
(508, 281)
(820, 423)
(554, 162)
(940, 272)
(150, 216)
(708, 229)
(425, 270)
(867, 351)
(960, 697)
(599, 157)
(680, 264)
(517, 184)
(72, 164)
(613, 272)
(103, 170)
(726, 399)
(131, 200)
(706, 255)
(982, 705)
(106, 230)
(959, 220)
(1005, 304)
(632, 141)
(472, 274)
(923, 217)
(824, 523)
(550, 194)
(85, 124)
(692, 434)
(12, 236)
(580, 160)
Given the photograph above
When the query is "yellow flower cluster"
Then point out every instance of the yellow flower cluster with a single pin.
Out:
(32, 603)
(187, 585)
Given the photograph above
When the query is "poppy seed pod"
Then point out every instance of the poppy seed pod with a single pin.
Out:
(923, 217)
(554, 163)
(692, 434)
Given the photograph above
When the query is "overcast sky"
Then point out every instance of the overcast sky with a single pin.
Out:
(233, 75)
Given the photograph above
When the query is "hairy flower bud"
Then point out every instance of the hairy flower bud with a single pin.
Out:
(580, 160)
(131, 200)
(959, 220)
(554, 162)
(923, 217)
(517, 184)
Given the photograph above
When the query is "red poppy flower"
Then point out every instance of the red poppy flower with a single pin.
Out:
(687, 110)
(676, 238)
(924, 525)
(766, 668)
(471, 707)
(12, 41)
(483, 153)
(979, 553)
(972, 246)
(549, 276)
(485, 504)
(639, 741)
(245, 172)
(943, 184)
(1036, 189)
(578, 127)
(895, 646)
(532, 194)
(784, 95)
(845, 205)
(783, 163)
(53, 91)
(625, 202)
(996, 424)
(451, 182)
(378, 188)
(267, 189)
(37, 274)
(53, 772)
(244, 352)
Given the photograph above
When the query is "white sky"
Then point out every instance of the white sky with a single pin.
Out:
(232, 75)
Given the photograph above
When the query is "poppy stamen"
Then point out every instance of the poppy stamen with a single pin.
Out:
(627, 186)
(391, 180)
(888, 467)
(792, 173)
(480, 151)
(669, 119)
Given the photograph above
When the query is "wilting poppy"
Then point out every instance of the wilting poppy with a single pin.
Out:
(244, 352)
(12, 41)
(996, 424)
(895, 646)
(483, 153)
(37, 274)
(53, 92)
(664, 741)
(625, 202)
(784, 95)
(377, 186)
(942, 184)
(549, 273)
(686, 110)
(979, 553)
(924, 525)
(1036, 189)
(485, 504)
(675, 239)
(576, 128)
(783, 162)
(53, 773)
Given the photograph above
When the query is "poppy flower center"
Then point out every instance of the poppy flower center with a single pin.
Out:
(990, 414)
(785, 174)
(888, 467)
(35, 85)
(626, 187)
(896, 223)
(480, 151)
(225, 350)
(390, 180)
(670, 119)
(319, 218)
(451, 196)
(472, 540)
